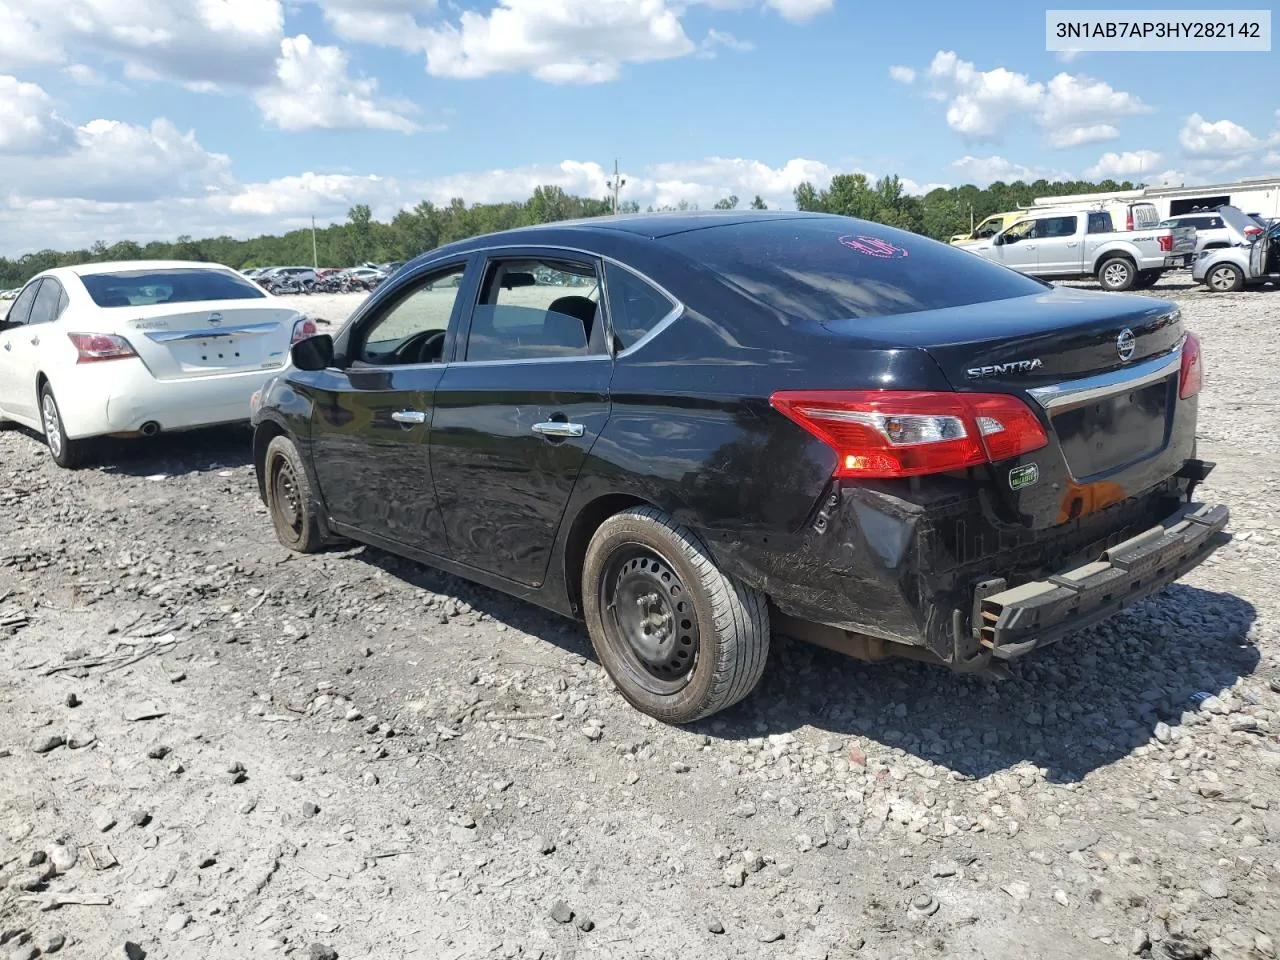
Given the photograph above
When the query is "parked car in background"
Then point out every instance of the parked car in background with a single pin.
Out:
(1213, 232)
(1227, 269)
(953, 462)
(135, 348)
(1065, 244)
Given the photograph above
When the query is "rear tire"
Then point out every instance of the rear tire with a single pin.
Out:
(67, 453)
(1117, 274)
(1224, 278)
(1146, 279)
(680, 638)
(295, 512)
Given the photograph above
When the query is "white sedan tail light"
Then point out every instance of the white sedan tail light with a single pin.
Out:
(306, 327)
(93, 347)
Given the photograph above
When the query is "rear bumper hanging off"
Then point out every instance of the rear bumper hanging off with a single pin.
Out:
(1017, 620)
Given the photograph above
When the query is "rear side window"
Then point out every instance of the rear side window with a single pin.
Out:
(635, 306)
(838, 268)
(1100, 223)
(136, 288)
(45, 308)
(535, 309)
(1057, 227)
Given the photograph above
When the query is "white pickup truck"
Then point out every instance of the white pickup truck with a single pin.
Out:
(1074, 244)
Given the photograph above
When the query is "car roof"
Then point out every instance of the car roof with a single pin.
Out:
(121, 266)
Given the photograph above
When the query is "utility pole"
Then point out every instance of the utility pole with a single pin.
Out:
(616, 184)
(315, 256)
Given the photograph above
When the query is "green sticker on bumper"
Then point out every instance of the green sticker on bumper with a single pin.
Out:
(1023, 476)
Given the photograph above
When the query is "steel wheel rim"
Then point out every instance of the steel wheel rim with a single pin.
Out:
(1117, 274)
(1223, 278)
(287, 500)
(649, 619)
(52, 424)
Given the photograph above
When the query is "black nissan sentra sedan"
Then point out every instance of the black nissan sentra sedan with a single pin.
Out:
(695, 430)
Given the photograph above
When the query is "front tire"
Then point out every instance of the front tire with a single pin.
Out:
(680, 638)
(66, 453)
(1225, 278)
(294, 510)
(1117, 274)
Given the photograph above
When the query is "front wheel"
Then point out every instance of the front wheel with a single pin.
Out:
(66, 453)
(294, 510)
(1225, 278)
(1116, 274)
(680, 638)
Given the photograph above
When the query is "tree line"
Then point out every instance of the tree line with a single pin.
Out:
(940, 214)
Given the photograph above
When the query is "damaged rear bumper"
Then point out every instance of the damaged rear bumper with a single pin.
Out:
(1010, 622)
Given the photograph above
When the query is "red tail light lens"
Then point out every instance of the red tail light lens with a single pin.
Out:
(1192, 376)
(1252, 231)
(907, 433)
(92, 347)
(1166, 243)
(306, 327)
(1128, 221)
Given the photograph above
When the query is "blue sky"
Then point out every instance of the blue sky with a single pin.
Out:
(124, 118)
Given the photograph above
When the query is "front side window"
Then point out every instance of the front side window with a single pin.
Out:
(535, 309)
(141, 288)
(1022, 230)
(413, 328)
(21, 309)
(988, 228)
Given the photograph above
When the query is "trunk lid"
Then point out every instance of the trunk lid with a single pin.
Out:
(209, 338)
(1184, 240)
(1100, 371)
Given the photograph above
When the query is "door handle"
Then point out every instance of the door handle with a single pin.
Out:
(558, 428)
(1071, 243)
(409, 416)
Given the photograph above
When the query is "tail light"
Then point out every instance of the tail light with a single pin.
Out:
(1166, 244)
(906, 433)
(1252, 231)
(1128, 220)
(306, 327)
(93, 347)
(1191, 378)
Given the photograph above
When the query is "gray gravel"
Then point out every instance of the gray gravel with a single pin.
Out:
(351, 755)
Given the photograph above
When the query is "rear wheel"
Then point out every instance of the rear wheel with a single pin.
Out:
(293, 508)
(1117, 274)
(1225, 278)
(66, 452)
(680, 638)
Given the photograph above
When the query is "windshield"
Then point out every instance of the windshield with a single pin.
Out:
(834, 268)
(136, 288)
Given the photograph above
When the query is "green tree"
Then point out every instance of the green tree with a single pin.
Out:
(758, 203)
(728, 203)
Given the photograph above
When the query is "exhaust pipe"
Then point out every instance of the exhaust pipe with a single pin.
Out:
(149, 429)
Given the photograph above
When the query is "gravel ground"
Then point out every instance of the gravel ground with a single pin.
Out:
(210, 747)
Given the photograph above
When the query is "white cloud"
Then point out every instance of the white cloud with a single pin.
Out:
(986, 170)
(572, 41)
(385, 23)
(716, 39)
(1121, 166)
(1068, 56)
(28, 124)
(902, 74)
(84, 75)
(313, 90)
(1071, 110)
(1223, 138)
(797, 11)
(1079, 136)
(224, 42)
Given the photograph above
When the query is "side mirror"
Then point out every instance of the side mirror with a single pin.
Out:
(313, 353)
(997, 240)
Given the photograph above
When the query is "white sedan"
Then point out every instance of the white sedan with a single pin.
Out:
(138, 347)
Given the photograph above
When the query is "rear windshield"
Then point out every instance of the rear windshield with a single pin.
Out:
(838, 268)
(137, 288)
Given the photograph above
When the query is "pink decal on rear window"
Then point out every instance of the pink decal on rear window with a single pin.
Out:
(874, 247)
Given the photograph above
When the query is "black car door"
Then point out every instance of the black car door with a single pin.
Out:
(519, 408)
(371, 415)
